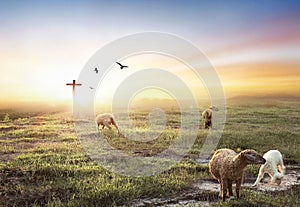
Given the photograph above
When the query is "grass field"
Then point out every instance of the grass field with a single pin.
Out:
(42, 162)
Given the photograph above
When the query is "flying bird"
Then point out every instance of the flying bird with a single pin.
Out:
(96, 70)
(122, 66)
(91, 88)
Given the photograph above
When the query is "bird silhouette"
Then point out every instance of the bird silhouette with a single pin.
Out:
(91, 88)
(122, 66)
(96, 70)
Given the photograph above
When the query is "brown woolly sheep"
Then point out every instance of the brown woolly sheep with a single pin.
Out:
(227, 166)
(207, 115)
(106, 120)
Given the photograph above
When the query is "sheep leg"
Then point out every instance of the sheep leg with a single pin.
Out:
(238, 187)
(230, 188)
(260, 175)
(276, 178)
(273, 179)
(209, 124)
(281, 167)
(206, 125)
(220, 192)
(224, 189)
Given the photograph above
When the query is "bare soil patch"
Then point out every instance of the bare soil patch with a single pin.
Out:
(205, 192)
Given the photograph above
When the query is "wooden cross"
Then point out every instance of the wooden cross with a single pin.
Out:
(74, 84)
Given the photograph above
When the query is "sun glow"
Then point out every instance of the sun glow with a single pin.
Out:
(43, 49)
(115, 77)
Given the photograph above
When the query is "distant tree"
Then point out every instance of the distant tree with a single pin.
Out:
(6, 118)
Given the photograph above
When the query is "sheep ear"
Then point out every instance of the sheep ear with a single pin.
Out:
(249, 157)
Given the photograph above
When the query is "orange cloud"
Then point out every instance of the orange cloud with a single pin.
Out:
(260, 78)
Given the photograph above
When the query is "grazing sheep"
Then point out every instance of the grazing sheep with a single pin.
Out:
(273, 166)
(227, 166)
(106, 120)
(207, 115)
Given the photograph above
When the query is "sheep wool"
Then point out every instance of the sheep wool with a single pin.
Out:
(105, 120)
(207, 115)
(227, 167)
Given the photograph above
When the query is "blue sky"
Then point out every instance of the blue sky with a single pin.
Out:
(46, 38)
(186, 17)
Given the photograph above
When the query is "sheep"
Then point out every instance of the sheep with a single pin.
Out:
(273, 166)
(106, 120)
(207, 115)
(227, 166)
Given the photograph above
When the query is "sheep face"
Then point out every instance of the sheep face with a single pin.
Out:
(214, 108)
(252, 157)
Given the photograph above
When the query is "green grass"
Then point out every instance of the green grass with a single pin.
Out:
(42, 163)
(254, 199)
(264, 127)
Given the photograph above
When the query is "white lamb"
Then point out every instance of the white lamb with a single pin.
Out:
(273, 166)
(105, 120)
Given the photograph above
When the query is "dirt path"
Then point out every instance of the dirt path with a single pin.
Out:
(208, 190)
(291, 179)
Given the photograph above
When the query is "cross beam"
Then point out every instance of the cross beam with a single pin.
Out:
(74, 84)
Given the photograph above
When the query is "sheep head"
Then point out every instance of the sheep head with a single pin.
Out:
(252, 157)
(214, 108)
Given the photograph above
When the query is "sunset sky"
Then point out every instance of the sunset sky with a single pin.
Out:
(254, 45)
